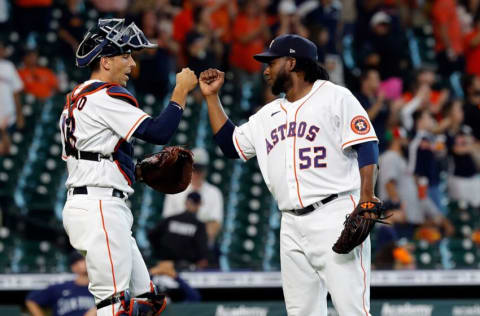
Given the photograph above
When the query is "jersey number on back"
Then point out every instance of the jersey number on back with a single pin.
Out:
(68, 127)
(317, 154)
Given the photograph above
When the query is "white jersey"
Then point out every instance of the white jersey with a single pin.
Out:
(303, 148)
(104, 122)
(10, 83)
(210, 210)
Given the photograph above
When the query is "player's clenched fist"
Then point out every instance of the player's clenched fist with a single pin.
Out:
(211, 81)
(186, 79)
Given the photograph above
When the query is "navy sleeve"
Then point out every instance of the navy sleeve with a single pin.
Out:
(160, 129)
(424, 160)
(44, 297)
(367, 153)
(191, 295)
(201, 242)
(224, 140)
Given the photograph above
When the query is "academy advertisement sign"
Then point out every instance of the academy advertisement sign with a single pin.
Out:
(378, 308)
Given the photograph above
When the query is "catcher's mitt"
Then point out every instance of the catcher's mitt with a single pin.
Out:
(168, 171)
(358, 225)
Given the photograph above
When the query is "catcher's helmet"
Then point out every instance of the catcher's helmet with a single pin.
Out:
(109, 38)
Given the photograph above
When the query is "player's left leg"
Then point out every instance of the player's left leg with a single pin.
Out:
(147, 299)
(140, 278)
(348, 275)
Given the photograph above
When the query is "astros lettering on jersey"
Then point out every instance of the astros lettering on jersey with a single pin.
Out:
(296, 142)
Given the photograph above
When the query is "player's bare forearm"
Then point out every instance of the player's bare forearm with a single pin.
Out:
(186, 81)
(91, 312)
(179, 95)
(217, 115)
(34, 308)
(213, 228)
(211, 80)
(368, 176)
(391, 188)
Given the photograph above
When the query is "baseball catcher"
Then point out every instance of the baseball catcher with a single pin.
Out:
(168, 171)
(358, 225)
(98, 126)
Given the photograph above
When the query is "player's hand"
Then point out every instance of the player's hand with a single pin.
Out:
(186, 80)
(373, 199)
(211, 80)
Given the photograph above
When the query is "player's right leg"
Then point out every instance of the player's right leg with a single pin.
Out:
(304, 290)
(100, 227)
(141, 287)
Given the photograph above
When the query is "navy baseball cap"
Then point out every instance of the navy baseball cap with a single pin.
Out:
(74, 257)
(195, 197)
(289, 45)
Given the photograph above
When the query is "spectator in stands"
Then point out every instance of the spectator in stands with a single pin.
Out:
(31, 15)
(387, 234)
(425, 154)
(373, 101)
(463, 184)
(472, 48)
(385, 48)
(394, 257)
(288, 20)
(38, 81)
(70, 298)
(72, 26)
(323, 14)
(472, 104)
(250, 34)
(183, 23)
(211, 210)
(397, 186)
(10, 88)
(421, 94)
(204, 48)
(187, 293)
(4, 14)
(390, 254)
(4, 138)
(182, 238)
(448, 37)
(156, 65)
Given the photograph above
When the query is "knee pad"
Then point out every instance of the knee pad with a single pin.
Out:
(148, 304)
(123, 298)
(154, 304)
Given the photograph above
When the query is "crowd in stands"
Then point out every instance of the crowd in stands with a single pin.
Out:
(426, 113)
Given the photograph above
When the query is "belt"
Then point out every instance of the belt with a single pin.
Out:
(314, 206)
(86, 155)
(84, 190)
(118, 298)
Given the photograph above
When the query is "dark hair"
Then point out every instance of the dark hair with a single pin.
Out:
(95, 65)
(366, 72)
(312, 69)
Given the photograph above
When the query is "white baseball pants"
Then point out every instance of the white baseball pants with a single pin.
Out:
(310, 268)
(99, 226)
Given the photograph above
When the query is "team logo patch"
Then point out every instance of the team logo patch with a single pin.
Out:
(360, 125)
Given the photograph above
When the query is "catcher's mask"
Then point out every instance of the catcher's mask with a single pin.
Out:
(110, 38)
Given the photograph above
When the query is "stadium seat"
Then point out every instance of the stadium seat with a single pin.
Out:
(427, 255)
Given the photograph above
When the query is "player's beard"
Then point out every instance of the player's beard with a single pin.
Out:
(282, 83)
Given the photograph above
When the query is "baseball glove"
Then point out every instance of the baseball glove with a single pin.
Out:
(168, 171)
(358, 225)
